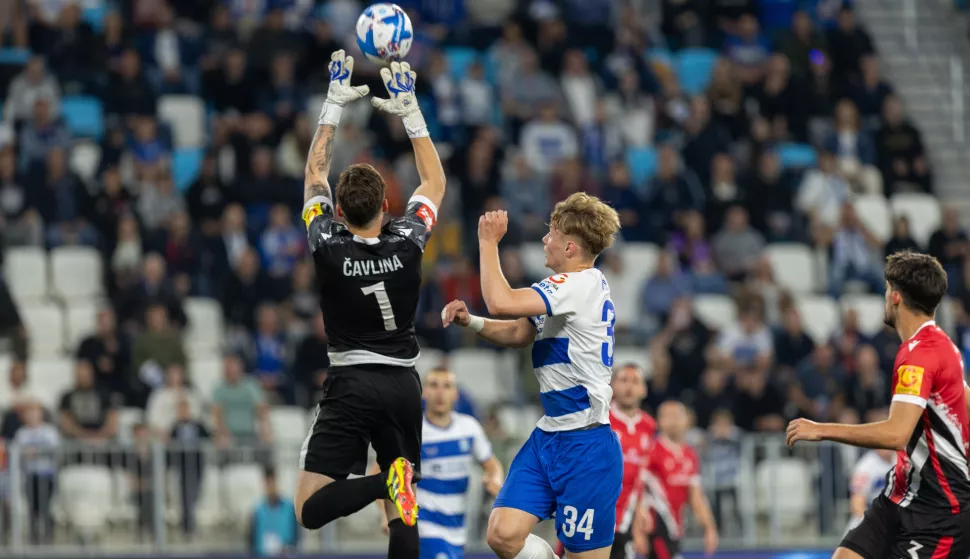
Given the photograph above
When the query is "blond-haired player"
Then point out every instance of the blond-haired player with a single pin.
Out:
(572, 466)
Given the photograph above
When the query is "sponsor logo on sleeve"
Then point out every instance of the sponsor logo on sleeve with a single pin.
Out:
(312, 213)
(559, 279)
(549, 288)
(909, 380)
(426, 215)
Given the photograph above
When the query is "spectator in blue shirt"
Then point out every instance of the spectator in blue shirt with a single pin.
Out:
(270, 354)
(748, 49)
(663, 288)
(281, 246)
(273, 530)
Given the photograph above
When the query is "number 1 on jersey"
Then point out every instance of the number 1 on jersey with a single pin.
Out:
(384, 302)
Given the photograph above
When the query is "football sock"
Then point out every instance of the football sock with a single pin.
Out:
(343, 497)
(404, 543)
(536, 548)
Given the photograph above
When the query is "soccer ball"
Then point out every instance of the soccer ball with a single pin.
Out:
(384, 33)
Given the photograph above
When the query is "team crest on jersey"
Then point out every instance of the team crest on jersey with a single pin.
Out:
(909, 381)
(426, 215)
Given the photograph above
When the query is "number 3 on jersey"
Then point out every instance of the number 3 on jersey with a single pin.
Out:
(609, 317)
(384, 302)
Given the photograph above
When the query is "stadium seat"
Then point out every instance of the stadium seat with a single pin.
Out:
(797, 156)
(639, 260)
(288, 423)
(209, 508)
(871, 311)
(205, 374)
(630, 354)
(86, 497)
(715, 311)
(80, 321)
(873, 212)
(534, 260)
(50, 378)
(45, 328)
(642, 164)
(127, 419)
(25, 271)
(94, 15)
(428, 359)
(485, 374)
(923, 211)
(793, 266)
(85, 158)
(782, 490)
(186, 166)
(459, 59)
(205, 328)
(122, 501)
(76, 272)
(820, 316)
(694, 68)
(84, 116)
(243, 489)
(186, 115)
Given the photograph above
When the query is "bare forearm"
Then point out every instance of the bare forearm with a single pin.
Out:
(493, 469)
(508, 333)
(495, 288)
(702, 510)
(318, 160)
(880, 434)
(430, 171)
(857, 505)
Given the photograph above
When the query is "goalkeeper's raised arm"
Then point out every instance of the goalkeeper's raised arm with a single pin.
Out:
(399, 80)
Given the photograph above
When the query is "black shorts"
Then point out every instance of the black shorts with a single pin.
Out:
(663, 543)
(377, 405)
(622, 546)
(888, 531)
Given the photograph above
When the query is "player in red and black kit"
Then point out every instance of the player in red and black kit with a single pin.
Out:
(673, 477)
(924, 513)
(636, 431)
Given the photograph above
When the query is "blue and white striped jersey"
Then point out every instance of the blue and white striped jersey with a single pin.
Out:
(447, 456)
(573, 351)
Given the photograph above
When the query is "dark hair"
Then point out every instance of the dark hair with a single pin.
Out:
(360, 194)
(919, 278)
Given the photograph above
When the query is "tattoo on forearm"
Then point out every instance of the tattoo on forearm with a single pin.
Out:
(318, 163)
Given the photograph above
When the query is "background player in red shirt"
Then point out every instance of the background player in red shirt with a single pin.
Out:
(673, 478)
(924, 512)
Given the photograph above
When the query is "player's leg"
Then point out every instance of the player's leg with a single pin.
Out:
(587, 474)
(622, 546)
(662, 543)
(525, 499)
(336, 447)
(396, 438)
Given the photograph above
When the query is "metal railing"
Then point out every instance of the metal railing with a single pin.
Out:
(155, 499)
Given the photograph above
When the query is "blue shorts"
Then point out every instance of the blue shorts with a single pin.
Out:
(572, 475)
(437, 548)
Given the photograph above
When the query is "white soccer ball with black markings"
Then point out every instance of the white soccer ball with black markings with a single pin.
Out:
(384, 33)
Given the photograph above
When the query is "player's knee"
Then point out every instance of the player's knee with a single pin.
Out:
(504, 538)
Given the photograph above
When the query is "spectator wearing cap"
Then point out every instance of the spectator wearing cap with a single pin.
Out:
(34, 83)
(900, 154)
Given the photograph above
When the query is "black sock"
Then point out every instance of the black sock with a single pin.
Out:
(404, 543)
(342, 497)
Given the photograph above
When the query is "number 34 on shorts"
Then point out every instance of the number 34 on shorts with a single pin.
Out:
(573, 523)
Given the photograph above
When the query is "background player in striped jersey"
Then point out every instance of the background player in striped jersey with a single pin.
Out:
(451, 441)
(868, 481)
(924, 511)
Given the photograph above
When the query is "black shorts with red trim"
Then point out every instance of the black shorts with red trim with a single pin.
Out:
(622, 546)
(889, 531)
(664, 544)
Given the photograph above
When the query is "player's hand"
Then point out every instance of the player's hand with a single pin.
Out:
(492, 226)
(455, 312)
(802, 430)
(399, 80)
(710, 541)
(340, 91)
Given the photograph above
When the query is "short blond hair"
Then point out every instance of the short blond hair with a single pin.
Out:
(587, 218)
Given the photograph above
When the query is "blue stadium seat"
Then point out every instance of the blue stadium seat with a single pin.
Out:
(95, 15)
(694, 68)
(797, 156)
(660, 55)
(459, 59)
(186, 166)
(14, 56)
(84, 116)
(642, 163)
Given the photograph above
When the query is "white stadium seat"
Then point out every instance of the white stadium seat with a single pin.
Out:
(782, 490)
(127, 419)
(487, 375)
(715, 311)
(86, 497)
(793, 267)
(923, 212)
(205, 330)
(205, 375)
(85, 158)
(534, 260)
(870, 309)
(209, 508)
(25, 270)
(186, 115)
(639, 259)
(630, 354)
(242, 489)
(288, 423)
(820, 316)
(873, 212)
(122, 504)
(76, 273)
(428, 359)
(49, 379)
(80, 321)
(45, 327)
